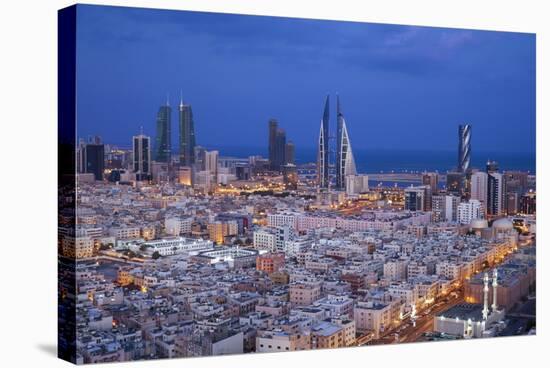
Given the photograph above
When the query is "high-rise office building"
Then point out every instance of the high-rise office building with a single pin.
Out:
(290, 176)
(415, 198)
(516, 181)
(512, 203)
(356, 184)
(478, 188)
(211, 162)
(141, 154)
(464, 147)
(272, 126)
(495, 194)
(200, 157)
(91, 157)
(185, 175)
(491, 167)
(528, 203)
(277, 146)
(345, 163)
(438, 208)
(163, 142)
(280, 148)
(468, 211)
(431, 179)
(290, 153)
(455, 183)
(323, 149)
(243, 172)
(160, 172)
(186, 135)
(445, 208)
(80, 156)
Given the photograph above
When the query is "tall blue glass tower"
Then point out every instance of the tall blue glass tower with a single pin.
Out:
(163, 143)
(323, 149)
(186, 135)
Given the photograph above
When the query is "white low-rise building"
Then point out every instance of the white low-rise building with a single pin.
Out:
(282, 219)
(176, 245)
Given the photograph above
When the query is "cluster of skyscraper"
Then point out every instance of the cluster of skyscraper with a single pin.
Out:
(345, 163)
(162, 150)
(472, 191)
(163, 142)
(488, 191)
(280, 152)
(91, 154)
(487, 187)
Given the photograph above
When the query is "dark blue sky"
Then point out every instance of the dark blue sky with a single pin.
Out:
(400, 86)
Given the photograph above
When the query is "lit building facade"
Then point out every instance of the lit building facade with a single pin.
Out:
(163, 143)
(345, 163)
(186, 135)
(142, 157)
(323, 149)
(464, 147)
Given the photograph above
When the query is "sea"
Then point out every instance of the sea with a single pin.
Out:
(407, 161)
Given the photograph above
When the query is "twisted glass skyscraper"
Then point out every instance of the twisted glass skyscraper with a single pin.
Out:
(464, 148)
(323, 149)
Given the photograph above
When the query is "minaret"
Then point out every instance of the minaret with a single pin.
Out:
(485, 296)
(494, 306)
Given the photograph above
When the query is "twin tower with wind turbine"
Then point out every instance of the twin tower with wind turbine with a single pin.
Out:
(344, 161)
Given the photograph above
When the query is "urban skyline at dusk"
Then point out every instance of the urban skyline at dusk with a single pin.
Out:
(310, 185)
(370, 160)
(399, 76)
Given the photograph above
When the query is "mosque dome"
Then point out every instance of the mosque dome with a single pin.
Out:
(478, 224)
(503, 224)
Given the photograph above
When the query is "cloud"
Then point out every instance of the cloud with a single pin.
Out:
(299, 43)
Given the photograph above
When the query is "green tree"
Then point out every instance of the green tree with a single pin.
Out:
(156, 255)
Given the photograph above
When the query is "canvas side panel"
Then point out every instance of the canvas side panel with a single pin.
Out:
(66, 184)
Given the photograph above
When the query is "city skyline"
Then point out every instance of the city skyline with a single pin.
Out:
(445, 77)
(376, 160)
(369, 214)
(338, 156)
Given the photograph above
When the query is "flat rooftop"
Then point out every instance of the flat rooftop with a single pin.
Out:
(464, 311)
